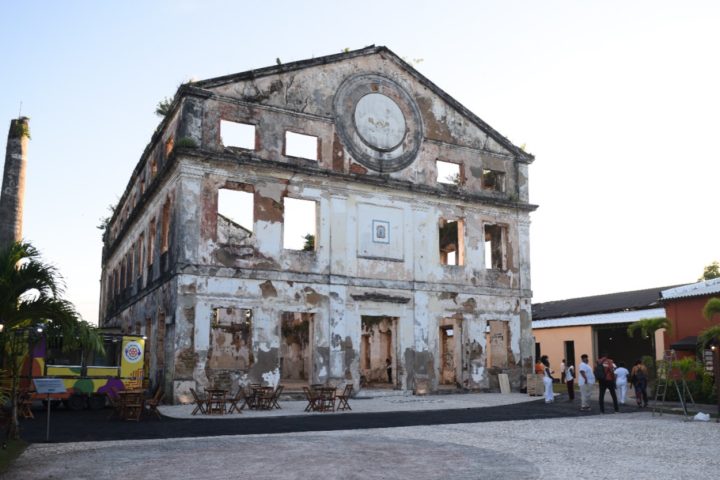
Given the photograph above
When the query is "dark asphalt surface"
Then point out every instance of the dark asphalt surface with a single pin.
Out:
(88, 426)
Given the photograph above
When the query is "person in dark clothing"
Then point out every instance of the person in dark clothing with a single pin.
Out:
(388, 366)
(638, 377)
(607, 382)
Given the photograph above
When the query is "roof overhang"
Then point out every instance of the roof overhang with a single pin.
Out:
(708, 287)
(687, 344)
(599, 319)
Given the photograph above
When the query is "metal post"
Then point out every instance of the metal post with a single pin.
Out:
(47, 432)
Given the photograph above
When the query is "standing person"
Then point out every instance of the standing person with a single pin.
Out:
(562, 370)
(570, 382)
(638, 377)
(547, 380)
(388, 367)
(605, 373)
(621, 380)
(539, 367)
(586, 380)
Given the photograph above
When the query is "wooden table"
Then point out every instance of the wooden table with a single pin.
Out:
(216, 401)
(260, 396)
(131, 404)
(326, 400)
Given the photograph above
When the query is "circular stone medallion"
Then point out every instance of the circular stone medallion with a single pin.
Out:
(379, 122)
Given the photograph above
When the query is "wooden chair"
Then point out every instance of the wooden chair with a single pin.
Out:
(240, 395)
(264, 399)
(133, 405)
(153, 403)
(115, 403)
(25, 404)
(311, 398)
(344, 397)
(276, 397)
(326, 402)
(199, 403)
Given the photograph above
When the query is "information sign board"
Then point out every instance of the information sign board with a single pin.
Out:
(49, 385)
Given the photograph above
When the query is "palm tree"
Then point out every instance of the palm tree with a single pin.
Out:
(710, 334)
(647, 328)
(30, 302)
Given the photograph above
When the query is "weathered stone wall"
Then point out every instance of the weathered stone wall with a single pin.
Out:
(376, 249)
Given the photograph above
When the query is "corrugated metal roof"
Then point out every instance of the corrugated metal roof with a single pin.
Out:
(599, 319)
(611, 302)
(699, 289)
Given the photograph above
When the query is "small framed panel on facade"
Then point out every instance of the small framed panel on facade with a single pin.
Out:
(380, 231)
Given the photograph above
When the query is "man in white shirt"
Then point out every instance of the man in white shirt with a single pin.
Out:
(586, 380)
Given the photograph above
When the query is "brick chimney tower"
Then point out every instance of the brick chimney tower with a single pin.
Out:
(13, 183)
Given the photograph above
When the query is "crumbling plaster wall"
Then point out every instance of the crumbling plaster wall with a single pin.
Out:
(200, 294)
(302, 101)
(341, 280)
(324, 282)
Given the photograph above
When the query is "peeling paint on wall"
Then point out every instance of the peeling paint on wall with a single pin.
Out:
(376, 251)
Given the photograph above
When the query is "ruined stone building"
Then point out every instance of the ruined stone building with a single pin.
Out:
(307, 222)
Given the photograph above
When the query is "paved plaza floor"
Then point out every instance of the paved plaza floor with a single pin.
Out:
(633, 445)
(445, 436)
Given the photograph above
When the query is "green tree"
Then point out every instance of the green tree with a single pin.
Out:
(31, 302)
(163, 107)
(647, 328)
(309, 245)
(710, 271)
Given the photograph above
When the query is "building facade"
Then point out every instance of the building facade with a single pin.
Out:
(325, 220)
(684, 307)
(596, 325)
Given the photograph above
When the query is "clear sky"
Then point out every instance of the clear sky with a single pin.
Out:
(617, 100)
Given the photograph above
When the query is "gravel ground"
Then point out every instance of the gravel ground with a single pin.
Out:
(631, 445)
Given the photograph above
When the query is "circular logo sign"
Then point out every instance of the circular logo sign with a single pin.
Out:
(132, 352)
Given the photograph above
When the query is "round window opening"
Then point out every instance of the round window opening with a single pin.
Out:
(380, 122)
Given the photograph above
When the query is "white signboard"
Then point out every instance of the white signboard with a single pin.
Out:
(49, 385)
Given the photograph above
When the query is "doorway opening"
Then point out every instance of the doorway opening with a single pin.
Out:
(569, 354)
(378, 347)
(498, 344)
(450, 336)
(296, 348)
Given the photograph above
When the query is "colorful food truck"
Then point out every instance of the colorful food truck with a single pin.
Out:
(89, 378)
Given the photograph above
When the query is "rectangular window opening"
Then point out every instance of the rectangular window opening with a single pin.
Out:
(153, 167)
(452, 244)
(169, 145)
(299, 227)
(493, 180)
(231, 339)
(448, 173)
(494, 255)
(296, 346)
(165, 232)
(235, 215)
(240, 135)
(151, 244)
(300, 145)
